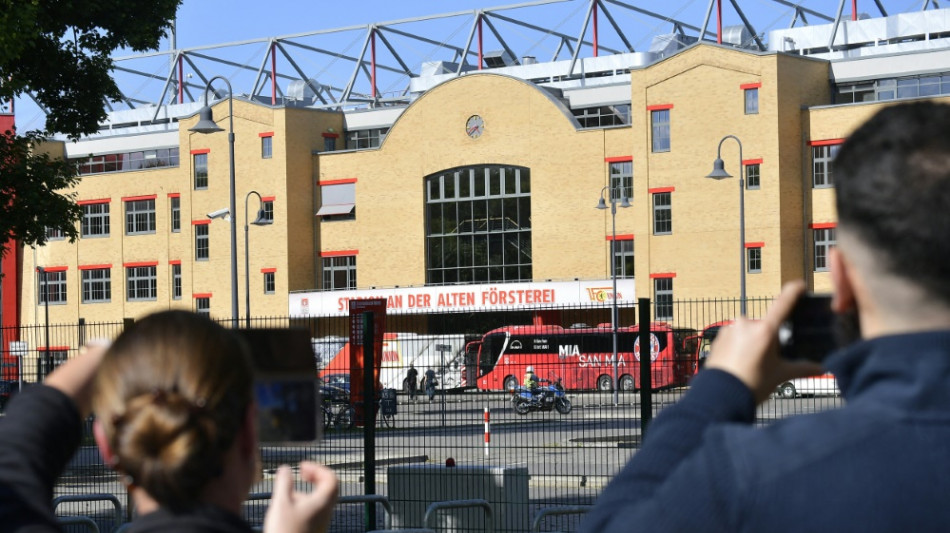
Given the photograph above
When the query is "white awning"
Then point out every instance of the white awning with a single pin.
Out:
(336, 209)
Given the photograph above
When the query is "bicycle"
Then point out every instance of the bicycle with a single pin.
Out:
(387, 405)
(343, 418)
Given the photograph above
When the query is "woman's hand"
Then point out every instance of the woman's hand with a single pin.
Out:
(748, 349)
(301, 512)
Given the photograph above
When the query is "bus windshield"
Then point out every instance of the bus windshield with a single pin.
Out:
(492, 347)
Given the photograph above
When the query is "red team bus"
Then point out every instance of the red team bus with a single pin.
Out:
(582, 357)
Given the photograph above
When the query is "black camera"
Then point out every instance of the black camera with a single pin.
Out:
(809, 332)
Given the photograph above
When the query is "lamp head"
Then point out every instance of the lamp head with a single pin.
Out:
(719, 170)
(624, 201)
(601, 204)
(262, 219)
(206, 122)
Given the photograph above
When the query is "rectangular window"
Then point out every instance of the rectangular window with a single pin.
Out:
(824, 240)
(663, 298)
(337, 201)
(822, 156)
(754, 259)
(752, 101)
(54, 234)
(201, 171)
(662, 213)
(202, 242)
(141, 283)
(96, 285)
(621, 180)
(339, 273)
(269, 283)
(53, 284)
(623, 258)
(752, 174)
(268, 207)
(95, 220)
(176, 214)
(139, 217)
(362, 139)
(660, 120)
(203, 306)
(329, 144)
(267, 147)
(176, 282)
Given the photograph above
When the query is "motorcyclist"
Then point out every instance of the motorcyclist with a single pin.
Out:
(531, 382)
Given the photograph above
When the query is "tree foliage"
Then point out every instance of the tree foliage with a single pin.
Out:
(59, 52)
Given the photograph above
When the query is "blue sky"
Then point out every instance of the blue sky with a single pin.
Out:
(207, 22)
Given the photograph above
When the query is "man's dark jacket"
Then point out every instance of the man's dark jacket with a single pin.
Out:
(881, 463)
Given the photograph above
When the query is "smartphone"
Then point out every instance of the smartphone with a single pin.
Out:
(809, 332)
(285, 386)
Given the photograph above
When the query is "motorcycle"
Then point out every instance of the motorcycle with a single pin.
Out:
(550, 397)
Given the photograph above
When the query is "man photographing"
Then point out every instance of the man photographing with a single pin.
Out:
(879, 463)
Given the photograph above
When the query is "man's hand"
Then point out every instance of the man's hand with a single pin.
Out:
(748, 349)
(300, 512)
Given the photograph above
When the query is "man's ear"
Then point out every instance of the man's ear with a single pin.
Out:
(841, 278)
(103, 443)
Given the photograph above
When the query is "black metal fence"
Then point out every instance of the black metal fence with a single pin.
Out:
(537, 471)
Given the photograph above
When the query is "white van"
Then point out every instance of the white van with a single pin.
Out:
(823, 385)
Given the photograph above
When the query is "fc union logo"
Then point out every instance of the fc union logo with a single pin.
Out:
(601, 294)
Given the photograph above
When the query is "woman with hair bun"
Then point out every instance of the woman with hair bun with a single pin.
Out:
(175, 417)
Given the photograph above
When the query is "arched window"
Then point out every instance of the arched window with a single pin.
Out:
(478, 225)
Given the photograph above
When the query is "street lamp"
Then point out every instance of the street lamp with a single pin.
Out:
(614, 318)
(718, 173)
(206, 124)
(261, 220)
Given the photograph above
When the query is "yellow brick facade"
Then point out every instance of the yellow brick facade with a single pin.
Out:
(702, 87)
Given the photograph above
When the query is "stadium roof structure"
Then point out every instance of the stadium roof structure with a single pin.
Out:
(373, 65)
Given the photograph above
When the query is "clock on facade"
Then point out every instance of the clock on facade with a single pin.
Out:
(475, 126)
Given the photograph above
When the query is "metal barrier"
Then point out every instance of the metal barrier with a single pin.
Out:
(80, 521)
(92, 498)
(557, 511)
(413, 530)
(461, 504)
(372, 498)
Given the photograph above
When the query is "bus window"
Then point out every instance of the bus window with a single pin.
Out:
(492, 347)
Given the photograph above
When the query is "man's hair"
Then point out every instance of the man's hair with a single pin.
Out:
(892, 181)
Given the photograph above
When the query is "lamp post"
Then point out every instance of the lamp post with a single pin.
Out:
(261, 220)
(44, 275)
(614, 318)
(718, 173)
(206, 124)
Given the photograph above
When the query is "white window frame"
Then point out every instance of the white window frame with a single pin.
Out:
(200, 172)
(753, 170)
(55, 288)
(203, 305)
(345, 264)
(267, 147)
(175, 202)
(202, 242)
(337, 201)
(822, 156)
(140, 217)
(754, 259)
(824, 239)
(623, 249)
(660, 128)
(751, 98)
(96, 285)
(176, 281)
(270, 283)
(141, 283)
(621, 178)
(663, 298)
(95, 220)
(661, 208)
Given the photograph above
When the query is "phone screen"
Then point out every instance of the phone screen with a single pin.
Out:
(285, 386)
(809, 332)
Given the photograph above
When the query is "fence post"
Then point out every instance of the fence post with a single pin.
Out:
(369, 416)
(646, 375)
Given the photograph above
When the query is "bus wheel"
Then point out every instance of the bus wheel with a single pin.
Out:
(604, 383)
(626, 383)
(510, 383)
